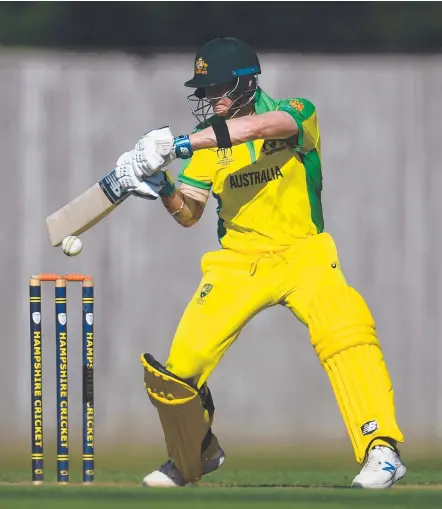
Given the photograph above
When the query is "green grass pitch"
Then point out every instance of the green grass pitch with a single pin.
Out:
(245, 481)
(112, 497)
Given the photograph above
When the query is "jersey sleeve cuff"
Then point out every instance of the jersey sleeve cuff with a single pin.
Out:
(193, 182)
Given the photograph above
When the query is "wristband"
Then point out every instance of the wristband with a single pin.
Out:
(182, 147)
(169, 186)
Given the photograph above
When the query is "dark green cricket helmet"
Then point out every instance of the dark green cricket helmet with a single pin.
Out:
(222, 61)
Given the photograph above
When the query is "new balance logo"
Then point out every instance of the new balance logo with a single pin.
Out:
(369, 427)
(114, 185)
(389, 467)
(111, 187)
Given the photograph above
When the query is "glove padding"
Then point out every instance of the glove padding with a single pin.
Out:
(153, 152)
(140, 186)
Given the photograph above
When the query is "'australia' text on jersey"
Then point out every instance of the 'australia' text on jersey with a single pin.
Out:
(252, 178)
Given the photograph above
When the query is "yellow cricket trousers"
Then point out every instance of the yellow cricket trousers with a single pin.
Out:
(308, 280)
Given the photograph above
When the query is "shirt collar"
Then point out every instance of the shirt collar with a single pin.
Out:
(263, 102)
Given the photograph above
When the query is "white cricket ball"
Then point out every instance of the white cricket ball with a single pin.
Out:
(71, 245)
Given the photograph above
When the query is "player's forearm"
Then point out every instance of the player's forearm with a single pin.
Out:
(271, 125)
(185, 210)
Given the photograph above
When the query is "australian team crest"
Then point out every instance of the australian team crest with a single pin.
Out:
(205, 290)
(296, 104)
(201, 66)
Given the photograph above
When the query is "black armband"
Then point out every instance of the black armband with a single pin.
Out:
(222, 134)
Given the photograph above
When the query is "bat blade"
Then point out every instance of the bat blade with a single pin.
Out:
(86, 210)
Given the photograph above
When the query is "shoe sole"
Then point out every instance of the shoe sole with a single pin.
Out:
(398, 475)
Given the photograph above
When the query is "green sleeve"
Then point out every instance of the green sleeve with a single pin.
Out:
(304, 114)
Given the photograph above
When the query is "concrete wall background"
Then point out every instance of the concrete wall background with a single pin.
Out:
(65, 118)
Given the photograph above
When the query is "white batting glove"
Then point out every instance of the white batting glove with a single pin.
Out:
(139, 185)
(125, 172)
(153, 152)
(150, 187)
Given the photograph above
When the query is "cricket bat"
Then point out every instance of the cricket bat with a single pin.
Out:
(86, 210)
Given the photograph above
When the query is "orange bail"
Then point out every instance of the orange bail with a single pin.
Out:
(68, 277)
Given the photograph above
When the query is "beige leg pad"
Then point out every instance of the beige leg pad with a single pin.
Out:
(186, 416)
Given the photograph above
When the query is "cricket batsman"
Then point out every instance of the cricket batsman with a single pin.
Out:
(261, 158)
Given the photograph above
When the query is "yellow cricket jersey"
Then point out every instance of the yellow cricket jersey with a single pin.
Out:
(268, 191)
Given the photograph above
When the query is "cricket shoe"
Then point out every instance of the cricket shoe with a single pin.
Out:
(168, 475)
(383, 468)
